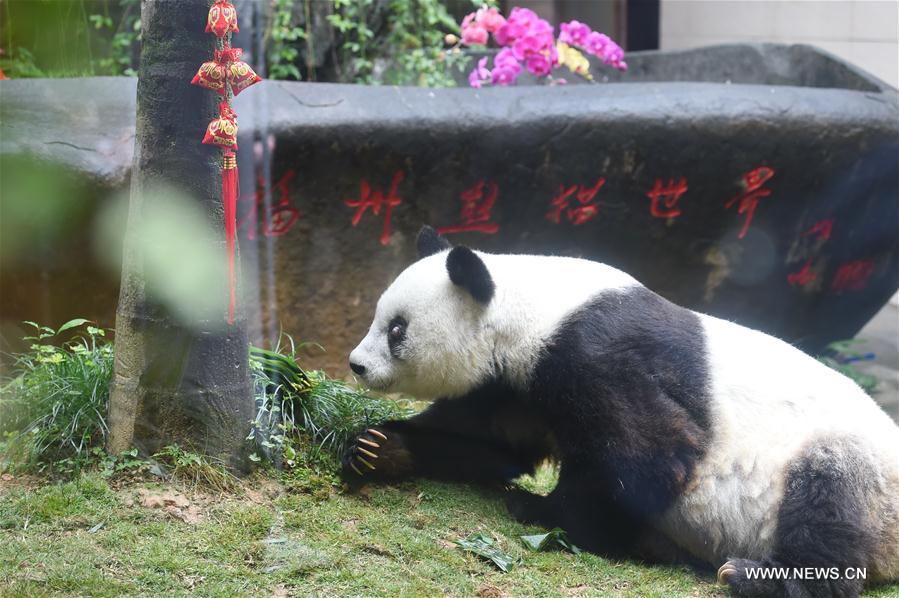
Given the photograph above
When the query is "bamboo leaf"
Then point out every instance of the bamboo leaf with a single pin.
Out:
(71, 324)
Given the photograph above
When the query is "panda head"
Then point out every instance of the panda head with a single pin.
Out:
(430, 336)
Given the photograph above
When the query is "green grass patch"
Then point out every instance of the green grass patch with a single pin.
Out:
(53, 412)
(262, 540)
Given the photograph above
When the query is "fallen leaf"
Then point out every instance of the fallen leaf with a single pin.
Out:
(482, 545)
(552, 539)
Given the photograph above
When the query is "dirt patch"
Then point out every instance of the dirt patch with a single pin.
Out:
(489, 591)
(10, 483)
(174, 504)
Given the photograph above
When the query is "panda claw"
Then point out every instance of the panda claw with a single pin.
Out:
(369, 443)
(356, 469)
(367, 453)
(725, 572)
(376, 433)
(364, 462)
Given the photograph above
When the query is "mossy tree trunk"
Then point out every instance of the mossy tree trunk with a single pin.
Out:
(176, 382)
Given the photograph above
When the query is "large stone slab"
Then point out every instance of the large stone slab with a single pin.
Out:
(766, 192)
(772, 202)
(85, 124)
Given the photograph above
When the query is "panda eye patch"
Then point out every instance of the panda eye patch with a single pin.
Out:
(396, 334)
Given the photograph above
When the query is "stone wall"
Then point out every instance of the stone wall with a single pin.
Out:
(765, 193)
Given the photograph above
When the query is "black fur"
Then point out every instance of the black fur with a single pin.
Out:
(820, 524)
(430, 242)
(489, 436)
(624, 386)
(619, 397)
(468, 271)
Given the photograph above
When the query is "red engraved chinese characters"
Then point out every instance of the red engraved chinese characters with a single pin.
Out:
(583, 211)
(804, 276)
(822, 230)
(376, 201)
(476, 208)
(664, 198)
(852, 276)
(748, 201)
(283, 215)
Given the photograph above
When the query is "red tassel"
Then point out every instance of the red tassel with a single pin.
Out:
(230, 191)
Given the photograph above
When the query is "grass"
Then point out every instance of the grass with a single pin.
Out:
(197, 470)
(54, 409)
(389, 541)
(85, 537)
(115, 529)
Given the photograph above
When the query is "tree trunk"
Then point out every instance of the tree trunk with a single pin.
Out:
(176, 382)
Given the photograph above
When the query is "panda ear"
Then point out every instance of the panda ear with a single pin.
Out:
(468, 271)
(430, 242)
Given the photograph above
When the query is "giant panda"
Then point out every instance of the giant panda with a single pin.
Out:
(681, 437)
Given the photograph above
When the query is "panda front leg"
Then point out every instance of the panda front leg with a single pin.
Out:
(452, 440)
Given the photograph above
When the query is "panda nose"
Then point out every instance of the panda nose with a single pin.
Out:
(359, 370)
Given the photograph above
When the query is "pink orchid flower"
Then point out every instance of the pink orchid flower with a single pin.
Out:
(474, 35)
(490, 19)
(574, 33)
(480, 74)
(505, 68)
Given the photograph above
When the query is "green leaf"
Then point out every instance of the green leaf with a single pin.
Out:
(553, 539)
(482, 545)
(71, 324)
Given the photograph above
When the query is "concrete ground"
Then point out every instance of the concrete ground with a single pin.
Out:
(881, 337)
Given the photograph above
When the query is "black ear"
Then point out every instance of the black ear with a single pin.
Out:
(430, 242)
(469, 272)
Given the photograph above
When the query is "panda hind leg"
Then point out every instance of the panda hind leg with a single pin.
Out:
(823, 543)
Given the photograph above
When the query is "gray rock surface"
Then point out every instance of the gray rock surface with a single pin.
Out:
(85, 124)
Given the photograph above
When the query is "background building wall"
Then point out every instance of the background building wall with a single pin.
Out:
(864, 32)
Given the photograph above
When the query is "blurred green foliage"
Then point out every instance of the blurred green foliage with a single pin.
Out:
(69, 38)
(409, 52)
(394, 42)
(41, 203)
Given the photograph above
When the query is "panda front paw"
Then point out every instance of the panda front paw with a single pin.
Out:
(377, 455)
(362, 455)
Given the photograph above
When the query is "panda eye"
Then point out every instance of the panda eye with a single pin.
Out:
(396, 334)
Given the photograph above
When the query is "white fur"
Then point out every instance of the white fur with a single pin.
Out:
(454, 342)
(769, 401)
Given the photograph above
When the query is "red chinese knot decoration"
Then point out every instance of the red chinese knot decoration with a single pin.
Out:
(227, 66)
(222, 131)
(222, 19)
(227, 75)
